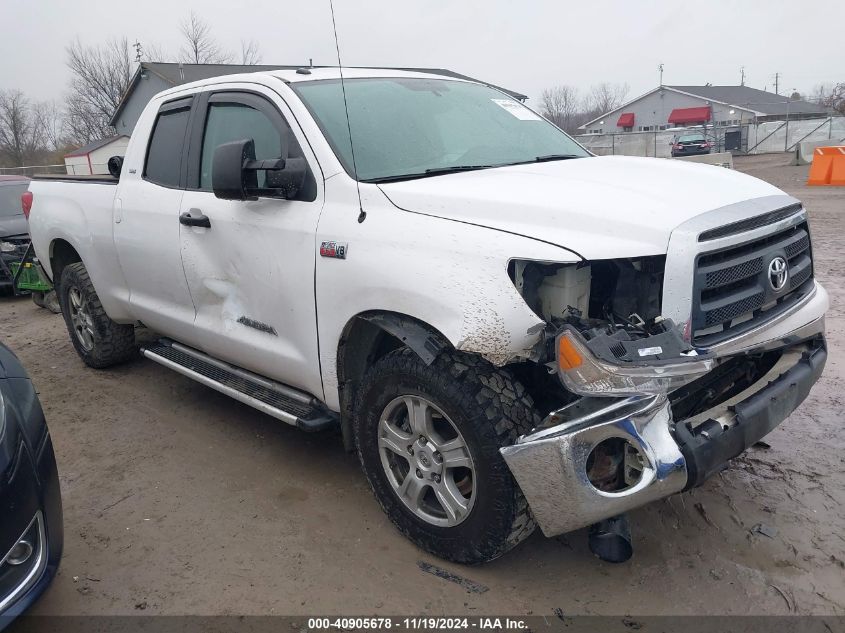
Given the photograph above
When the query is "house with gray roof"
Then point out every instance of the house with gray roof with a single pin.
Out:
(667, 107)
(152, 77)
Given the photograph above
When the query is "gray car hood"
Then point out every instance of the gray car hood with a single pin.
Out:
(14, 225)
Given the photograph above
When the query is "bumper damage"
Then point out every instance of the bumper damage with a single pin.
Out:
(599, 457)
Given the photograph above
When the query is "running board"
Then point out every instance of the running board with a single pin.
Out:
(275, 399)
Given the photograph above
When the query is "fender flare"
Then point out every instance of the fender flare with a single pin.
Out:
(424, 341)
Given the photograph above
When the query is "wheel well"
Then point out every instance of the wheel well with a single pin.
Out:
(61, 254)
(368, 337)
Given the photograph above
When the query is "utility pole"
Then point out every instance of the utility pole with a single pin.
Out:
(138, 51)
(777, 77)
(660, 70)
(742, 75)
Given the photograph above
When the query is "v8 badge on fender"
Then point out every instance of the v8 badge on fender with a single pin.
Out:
(334, 249)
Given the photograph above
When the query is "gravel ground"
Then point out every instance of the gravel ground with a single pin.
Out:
(176, 497)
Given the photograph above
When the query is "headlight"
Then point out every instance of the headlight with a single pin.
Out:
(584, 374)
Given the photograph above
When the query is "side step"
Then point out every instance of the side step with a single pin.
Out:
(275, 399)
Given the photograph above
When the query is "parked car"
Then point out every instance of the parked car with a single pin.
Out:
(508, 330)
(31, 533)
(14, 233)
(690, 145)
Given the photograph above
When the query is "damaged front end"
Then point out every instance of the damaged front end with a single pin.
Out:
(638, 412)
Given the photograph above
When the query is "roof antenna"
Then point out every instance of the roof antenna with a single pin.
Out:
(362, 215)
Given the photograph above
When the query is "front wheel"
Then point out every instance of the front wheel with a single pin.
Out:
(428, 437)
(98, 340)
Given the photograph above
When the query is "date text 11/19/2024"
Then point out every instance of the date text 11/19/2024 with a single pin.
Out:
(417, 623)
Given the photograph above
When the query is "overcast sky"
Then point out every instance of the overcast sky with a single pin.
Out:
(525, 46)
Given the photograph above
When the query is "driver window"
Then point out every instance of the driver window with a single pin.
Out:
(234, 122)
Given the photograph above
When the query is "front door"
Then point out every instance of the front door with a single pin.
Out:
(251, 271)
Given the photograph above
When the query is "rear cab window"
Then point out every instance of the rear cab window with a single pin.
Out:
(167, 143)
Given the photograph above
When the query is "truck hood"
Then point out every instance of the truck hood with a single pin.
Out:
(13, 225)
(598, 207)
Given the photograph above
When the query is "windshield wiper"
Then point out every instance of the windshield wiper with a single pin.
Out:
(551, 157)
(448, 170)
(544, 159)
(434, 171)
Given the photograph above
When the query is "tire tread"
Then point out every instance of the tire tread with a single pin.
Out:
(114, 342)
(500, 399)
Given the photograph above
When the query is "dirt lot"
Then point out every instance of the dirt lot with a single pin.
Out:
(176, 496)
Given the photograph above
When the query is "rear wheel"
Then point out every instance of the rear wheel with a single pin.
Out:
(428, 437)
(98, 340)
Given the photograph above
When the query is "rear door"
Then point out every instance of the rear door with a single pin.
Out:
(251, 273)
(146, 224)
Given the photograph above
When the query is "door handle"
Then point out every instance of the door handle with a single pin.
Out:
(197, 219)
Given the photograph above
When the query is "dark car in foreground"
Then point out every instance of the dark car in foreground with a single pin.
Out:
(31, 532)
(14, 231)
(690, 145)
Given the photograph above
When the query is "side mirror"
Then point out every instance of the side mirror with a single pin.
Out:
(234, 173)
(115, 164)
(290, 179)
(227, 169)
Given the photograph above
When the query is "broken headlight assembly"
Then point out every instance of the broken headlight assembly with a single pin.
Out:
(587, 373)
(603, 318)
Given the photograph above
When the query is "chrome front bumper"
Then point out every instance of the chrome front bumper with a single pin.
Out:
(550, 464)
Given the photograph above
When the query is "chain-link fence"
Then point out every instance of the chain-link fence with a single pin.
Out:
(760, 138)
(31, 170)
(81, 169)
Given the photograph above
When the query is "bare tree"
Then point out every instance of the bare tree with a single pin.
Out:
(101, 76)
(830, 96)
(200, 46)
(20, 133)
(564, 107)
(52, 125)
(605, 97)
(250, 53)
(155, 53)
(560, 105)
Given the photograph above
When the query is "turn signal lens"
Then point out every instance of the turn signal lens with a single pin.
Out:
(585, 374)
(568, 357)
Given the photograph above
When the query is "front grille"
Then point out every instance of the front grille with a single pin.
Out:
(731, 289)
(742, 226)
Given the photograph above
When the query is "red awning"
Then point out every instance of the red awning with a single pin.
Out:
(690, 115)
(626, 119)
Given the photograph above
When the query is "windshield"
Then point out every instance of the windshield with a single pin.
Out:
(418, 127)
(10, 199)
(691, 138)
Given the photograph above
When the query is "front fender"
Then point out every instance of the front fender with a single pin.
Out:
(450, 275)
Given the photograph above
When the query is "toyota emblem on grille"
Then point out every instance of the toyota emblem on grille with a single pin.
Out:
(778, 273)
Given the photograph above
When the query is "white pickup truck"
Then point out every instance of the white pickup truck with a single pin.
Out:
(508, 330)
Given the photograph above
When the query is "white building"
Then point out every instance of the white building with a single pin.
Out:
(677, 106)
(93, 158)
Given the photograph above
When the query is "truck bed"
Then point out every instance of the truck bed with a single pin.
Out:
(102, 179)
